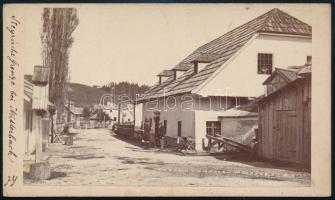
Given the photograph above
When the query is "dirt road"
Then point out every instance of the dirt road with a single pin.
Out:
(98, 157)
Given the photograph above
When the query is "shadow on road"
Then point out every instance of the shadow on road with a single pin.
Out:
(132, 141)
(55, 174)
(83, 156)
(139, 148)
(258, 162)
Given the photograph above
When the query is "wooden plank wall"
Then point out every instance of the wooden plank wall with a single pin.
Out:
(295, 100)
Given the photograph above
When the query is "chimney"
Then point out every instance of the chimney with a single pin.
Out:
(195, 67)
(309, 60)
(160, 80)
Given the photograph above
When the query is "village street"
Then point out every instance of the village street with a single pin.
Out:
(98, 157)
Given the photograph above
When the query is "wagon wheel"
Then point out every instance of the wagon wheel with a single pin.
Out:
(190, 146)
(57, 136)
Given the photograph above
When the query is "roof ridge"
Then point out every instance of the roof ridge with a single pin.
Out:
(269, 17)
(280, 11)
(285, 69)
(280, 20)
(224, 35)
(224, 47)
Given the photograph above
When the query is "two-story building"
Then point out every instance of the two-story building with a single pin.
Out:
(224, 73)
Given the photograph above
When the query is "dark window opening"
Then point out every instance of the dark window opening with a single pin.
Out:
(213, 128)
(264, 63)
(179, 128)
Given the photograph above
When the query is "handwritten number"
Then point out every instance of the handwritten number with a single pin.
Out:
(11, 181)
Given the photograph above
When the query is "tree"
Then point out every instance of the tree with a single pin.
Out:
(56, 37)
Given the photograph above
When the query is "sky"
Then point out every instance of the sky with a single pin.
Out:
(136, 42)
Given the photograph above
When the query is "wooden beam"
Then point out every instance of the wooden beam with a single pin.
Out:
(38, 139)
(230, 142)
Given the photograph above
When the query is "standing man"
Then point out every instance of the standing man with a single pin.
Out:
(161, 134)
(146, 133)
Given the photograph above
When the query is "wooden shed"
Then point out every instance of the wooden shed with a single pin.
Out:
(285, 116)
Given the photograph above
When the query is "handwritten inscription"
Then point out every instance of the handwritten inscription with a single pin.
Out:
(11, 28)
(11, 137)
(11, 181)
(13, 65)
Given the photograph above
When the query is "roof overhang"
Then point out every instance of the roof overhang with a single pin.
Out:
(144, 100)
(166, 73)
(309, 36)
(281, 89)
(181, 70)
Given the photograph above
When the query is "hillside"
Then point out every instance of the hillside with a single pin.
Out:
(83, 95)
(86, 96)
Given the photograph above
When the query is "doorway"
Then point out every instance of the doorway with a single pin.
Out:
(285, 135)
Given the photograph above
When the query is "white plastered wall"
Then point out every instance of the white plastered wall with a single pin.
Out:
(240, 78)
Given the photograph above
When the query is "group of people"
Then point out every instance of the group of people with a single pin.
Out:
(152, 137)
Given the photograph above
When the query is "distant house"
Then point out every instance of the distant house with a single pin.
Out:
(224, 73)
(126, 113)
(94, 119)
(111, 109)
(74, 114)
(285, 116)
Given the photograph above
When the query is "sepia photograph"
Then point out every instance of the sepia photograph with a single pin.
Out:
(154, 96)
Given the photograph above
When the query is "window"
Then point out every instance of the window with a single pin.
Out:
(179, 128)
(213, 128)
(264, 63)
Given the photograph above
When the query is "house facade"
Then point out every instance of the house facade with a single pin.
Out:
(36, 113)
(223, 74)
(28, 115)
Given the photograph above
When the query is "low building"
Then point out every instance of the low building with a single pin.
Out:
(238, 125)
(285, 116)
(74, 115)
(126, 113)
(111, 109)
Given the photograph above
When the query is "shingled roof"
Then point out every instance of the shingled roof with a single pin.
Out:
(288, 75)
(221, 49)
(28, 88)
